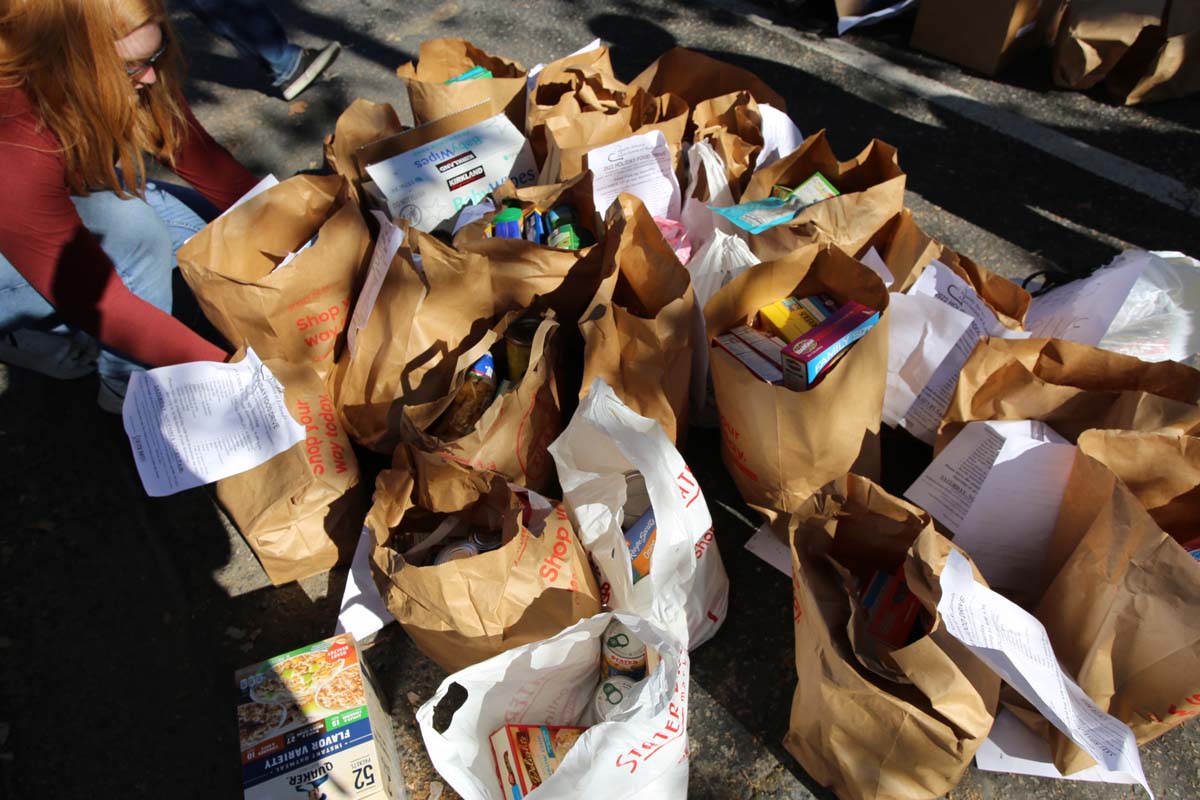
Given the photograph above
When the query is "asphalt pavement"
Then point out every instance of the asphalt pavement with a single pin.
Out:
(125, 616)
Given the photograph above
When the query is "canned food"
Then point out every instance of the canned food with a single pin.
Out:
(637, 498)
(485, 541)
(454, 551)
(611, 695)
(622, 653)
(518, 344)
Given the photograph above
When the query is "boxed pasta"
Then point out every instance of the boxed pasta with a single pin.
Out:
(310, 721)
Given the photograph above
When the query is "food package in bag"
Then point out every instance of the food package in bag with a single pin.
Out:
(615, 466)
(434, 93)
(640, 752)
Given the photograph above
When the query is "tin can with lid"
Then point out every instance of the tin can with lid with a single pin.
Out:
(485, 541)
(622, 653)
(454, 551)
(518, 344)
(637, 498)
(611, 694)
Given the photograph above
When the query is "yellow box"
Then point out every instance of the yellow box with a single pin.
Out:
(788, 319)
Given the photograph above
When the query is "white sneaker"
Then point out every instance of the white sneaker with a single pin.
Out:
(64, 355)
(312, 63)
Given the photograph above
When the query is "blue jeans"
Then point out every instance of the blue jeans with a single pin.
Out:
(254, 30)
(141, 237)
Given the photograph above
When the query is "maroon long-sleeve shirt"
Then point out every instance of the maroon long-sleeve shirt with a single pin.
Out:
(42, 235)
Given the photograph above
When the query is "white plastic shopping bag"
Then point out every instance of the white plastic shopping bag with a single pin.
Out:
(604, 445)
(697, 217)
(720, 260)
(640, 752)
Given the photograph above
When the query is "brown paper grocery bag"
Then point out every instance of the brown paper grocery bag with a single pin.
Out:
(1161, 469)
(569, 86)
(696, 77)
(638, 328)
(733, 125)
(570, 138)
(1168, 65)
(1094, 36)
(296, 311)
(869, 720)
(511, 437)
(781, 446)
(1073, 387)
(439, 60)
(907, 250)
(1123, 609)
(424, 320)
(465, 611)
(872, 193)
(301, 512)
(360, 124)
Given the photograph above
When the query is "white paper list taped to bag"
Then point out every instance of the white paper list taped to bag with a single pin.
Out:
(389, 241)
(998, 487)
(1015, 646)
(874, 262)
(1013, 747)
(937, 280)
(639, 165)
(192, 424)
(922, 334)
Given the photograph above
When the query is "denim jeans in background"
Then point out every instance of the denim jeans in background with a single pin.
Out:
(254, 30)
(141, 237)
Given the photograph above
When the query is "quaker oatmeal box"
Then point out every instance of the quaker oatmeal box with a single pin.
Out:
(310, 721)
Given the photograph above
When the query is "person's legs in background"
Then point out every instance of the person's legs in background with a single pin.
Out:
(258, 34)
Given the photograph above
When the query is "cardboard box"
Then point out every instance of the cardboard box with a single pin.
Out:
(310, 721)
(984, 35)
(805, 359)
(428, 174)
(763, 369)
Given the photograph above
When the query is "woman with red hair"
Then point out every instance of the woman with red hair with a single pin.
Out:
(88, 90)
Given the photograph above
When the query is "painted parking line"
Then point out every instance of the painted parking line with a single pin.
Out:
(1158, 187)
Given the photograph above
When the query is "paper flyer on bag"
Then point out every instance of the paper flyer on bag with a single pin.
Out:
(998, 487)
(391, 237)
(638, 165)
(1016, 647)
(1013, 747)
(922, 335)
(193, 424)
(939, 281)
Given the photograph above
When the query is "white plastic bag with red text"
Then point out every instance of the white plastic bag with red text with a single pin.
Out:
(604, 441)
(641, 752)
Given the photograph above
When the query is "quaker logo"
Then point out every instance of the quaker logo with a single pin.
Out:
(456, 162)
(468, 177)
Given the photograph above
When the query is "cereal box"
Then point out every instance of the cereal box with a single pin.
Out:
(526, 755)
(310, 722)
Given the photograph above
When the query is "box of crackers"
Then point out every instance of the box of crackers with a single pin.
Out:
(310, 722)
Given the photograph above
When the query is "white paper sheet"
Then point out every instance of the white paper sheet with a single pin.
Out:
(192, 424)
(780, 135)
(473, 212)
(641, 166)
(922, 334)
(391, 237)
(363, 611)
(937, 280)
(1013, 747)
(873, 261)
(998, 487)
(874, 17)
(766, 545)
(1083, 310)
(1015, 645)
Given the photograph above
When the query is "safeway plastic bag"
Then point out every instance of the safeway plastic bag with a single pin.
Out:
(722, 259)
(1159, 320)
(640, 752)
(604, 443)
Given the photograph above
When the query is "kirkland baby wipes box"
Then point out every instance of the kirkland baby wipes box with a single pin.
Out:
(310, 722)
(428, 174)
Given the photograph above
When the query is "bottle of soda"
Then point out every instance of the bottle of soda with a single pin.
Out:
(471, 400)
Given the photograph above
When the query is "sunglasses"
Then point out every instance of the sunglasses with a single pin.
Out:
(142, 67)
